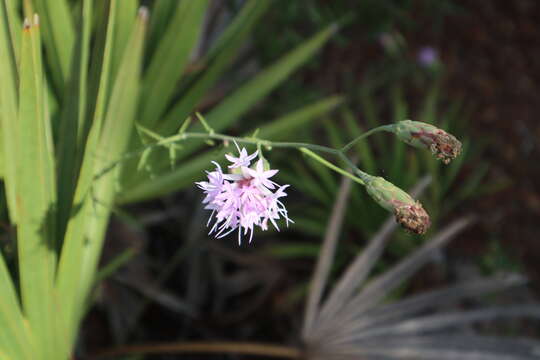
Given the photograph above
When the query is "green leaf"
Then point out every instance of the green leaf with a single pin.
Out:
(72, 250)
(428, 112)
(124, 19)
(58, 37)
(171, 59)
(103, 40)
(398, 159)
(162, 12)
(219, 58)
(182, 176)
(73, 127)
(452, 169)
(115, 264)
(309, 225)
(371, 114)
(236, 33)
(333, 133)
(15, 339)
(284, 126)
(95, 195)
(363, 150)
(8, 110)
(36, 192)
(326, 178)
(15, 24)
(301, 178)
(244, 98)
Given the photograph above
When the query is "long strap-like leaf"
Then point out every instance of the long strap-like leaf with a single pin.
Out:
(74, 125)
(217, 61)
(36, 196)
(107, 140)
(8, 109)
(58, 36)
(170, 59)
(72, 249)
(15, 338)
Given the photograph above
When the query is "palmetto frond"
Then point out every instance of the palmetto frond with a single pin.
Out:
(355, 322)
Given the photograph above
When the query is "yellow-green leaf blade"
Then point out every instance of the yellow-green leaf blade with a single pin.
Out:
(115, 137)
(15, 338)
(218, 59)
(58, 37)
(171, 59)
(86, 228)
(73, 125)
(245, 97)
(8, 109)
(36, 197)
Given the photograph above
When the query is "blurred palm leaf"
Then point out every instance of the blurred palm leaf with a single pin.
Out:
(355, 321)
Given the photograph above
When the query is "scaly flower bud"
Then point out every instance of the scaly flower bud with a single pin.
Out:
(422, 135)
(409, 213)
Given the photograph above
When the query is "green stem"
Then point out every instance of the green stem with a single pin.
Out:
(252, 141)
(306, 148)
(365, 135)
(332, 166)
(364, 176)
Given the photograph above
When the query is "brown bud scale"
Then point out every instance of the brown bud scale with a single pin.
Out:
(413, 218)
(441, 144)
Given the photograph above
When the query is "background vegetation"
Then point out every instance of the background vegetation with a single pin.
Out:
(315, 71)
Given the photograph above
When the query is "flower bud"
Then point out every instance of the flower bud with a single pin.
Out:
(422, 135)
(409, 213)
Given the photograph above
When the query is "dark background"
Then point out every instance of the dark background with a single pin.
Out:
(182, 285)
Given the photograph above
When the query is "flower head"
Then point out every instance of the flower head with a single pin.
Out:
(427, 56)
(213, 186)
(244, 199)
(419, 134)
(408, 213)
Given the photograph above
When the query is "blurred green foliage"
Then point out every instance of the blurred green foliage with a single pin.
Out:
(384, 156)
(389, 86)
(78, 78)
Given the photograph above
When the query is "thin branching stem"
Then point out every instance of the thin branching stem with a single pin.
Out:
(241, 140)
(332, 166)
(345, 148)
(358, 175)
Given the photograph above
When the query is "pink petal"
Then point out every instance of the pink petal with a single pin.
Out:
(268, 174)
(231, 158)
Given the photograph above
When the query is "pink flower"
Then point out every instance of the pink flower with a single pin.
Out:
(260, 176)
(242, 201)
(243, 160)
(213, 186)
